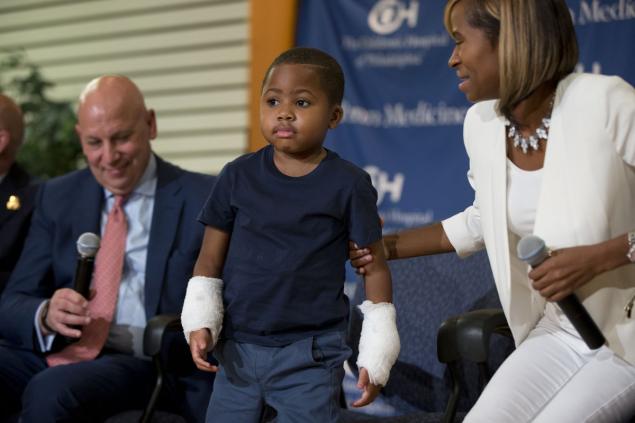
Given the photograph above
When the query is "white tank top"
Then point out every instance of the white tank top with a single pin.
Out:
(523, 191)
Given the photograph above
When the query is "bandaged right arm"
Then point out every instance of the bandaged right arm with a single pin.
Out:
(379, 343)
(203, 307)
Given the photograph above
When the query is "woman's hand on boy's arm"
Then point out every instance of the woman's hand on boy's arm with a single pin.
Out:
(413, 242)
(369, 391)
(200, 341)
(359, 257)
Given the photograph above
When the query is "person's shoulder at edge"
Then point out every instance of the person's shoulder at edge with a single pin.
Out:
(583, 88)
(580, 80)
(576, 84)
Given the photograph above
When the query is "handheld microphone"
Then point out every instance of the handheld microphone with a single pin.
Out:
(532, 250)
(87, 246)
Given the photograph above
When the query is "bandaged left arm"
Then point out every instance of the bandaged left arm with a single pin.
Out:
(379, 341)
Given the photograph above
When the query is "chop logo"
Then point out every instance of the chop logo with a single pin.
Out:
(388, 15)
(382, 183)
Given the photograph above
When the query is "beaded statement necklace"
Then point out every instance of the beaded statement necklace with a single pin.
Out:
(532, 141)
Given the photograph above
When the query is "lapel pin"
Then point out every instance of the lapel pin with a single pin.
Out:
(13, 203)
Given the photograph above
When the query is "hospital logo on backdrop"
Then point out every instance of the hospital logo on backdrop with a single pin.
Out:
(387, 16)
(596, 67)
(385, 185)
(393, 213)
(596, 11)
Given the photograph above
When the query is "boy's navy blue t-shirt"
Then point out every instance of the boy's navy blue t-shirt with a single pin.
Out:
(284, 271)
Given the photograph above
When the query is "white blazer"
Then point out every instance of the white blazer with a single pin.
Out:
(587, 196)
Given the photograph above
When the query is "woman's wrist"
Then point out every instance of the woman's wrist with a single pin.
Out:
(390, 246)
(612, 254)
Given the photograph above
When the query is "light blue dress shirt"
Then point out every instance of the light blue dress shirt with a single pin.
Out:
(126, 331)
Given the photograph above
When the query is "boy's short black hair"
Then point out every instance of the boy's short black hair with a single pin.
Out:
(329, 71)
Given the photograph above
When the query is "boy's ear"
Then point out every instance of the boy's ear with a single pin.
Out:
(336, 116)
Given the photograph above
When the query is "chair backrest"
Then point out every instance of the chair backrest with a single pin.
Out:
(426, 291)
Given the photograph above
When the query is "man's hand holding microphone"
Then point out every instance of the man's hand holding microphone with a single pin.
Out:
(67, 310)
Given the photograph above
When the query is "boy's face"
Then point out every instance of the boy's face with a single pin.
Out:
(295, 111)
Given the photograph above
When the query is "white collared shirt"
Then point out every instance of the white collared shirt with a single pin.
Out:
(126, 330)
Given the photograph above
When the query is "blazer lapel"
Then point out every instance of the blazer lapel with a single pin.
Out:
(520, 308)
(574, 208)
(551, 222)
(498, 184)
(165, 221)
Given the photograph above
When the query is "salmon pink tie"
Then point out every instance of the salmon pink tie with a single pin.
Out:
(106, 280)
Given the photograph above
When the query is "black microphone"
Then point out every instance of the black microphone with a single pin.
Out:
(532, 250)
(87, 246)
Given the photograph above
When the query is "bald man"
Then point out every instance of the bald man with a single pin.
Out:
(17, 193)
(163, 237)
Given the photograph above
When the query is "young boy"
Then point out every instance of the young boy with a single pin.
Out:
(278, 223)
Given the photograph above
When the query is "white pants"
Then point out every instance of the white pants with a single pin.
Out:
(553, 377)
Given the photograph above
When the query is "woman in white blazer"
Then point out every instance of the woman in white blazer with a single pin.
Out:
(552, 153)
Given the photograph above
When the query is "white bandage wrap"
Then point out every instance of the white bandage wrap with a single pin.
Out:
(203, 307)
(379, 341)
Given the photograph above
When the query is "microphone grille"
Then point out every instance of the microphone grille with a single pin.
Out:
(531, 249)
(88, 244)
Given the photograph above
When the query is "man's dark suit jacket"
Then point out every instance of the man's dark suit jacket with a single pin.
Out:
(72, 204)
(14, 222)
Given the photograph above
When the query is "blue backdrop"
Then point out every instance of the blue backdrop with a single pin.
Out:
(403, 110)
